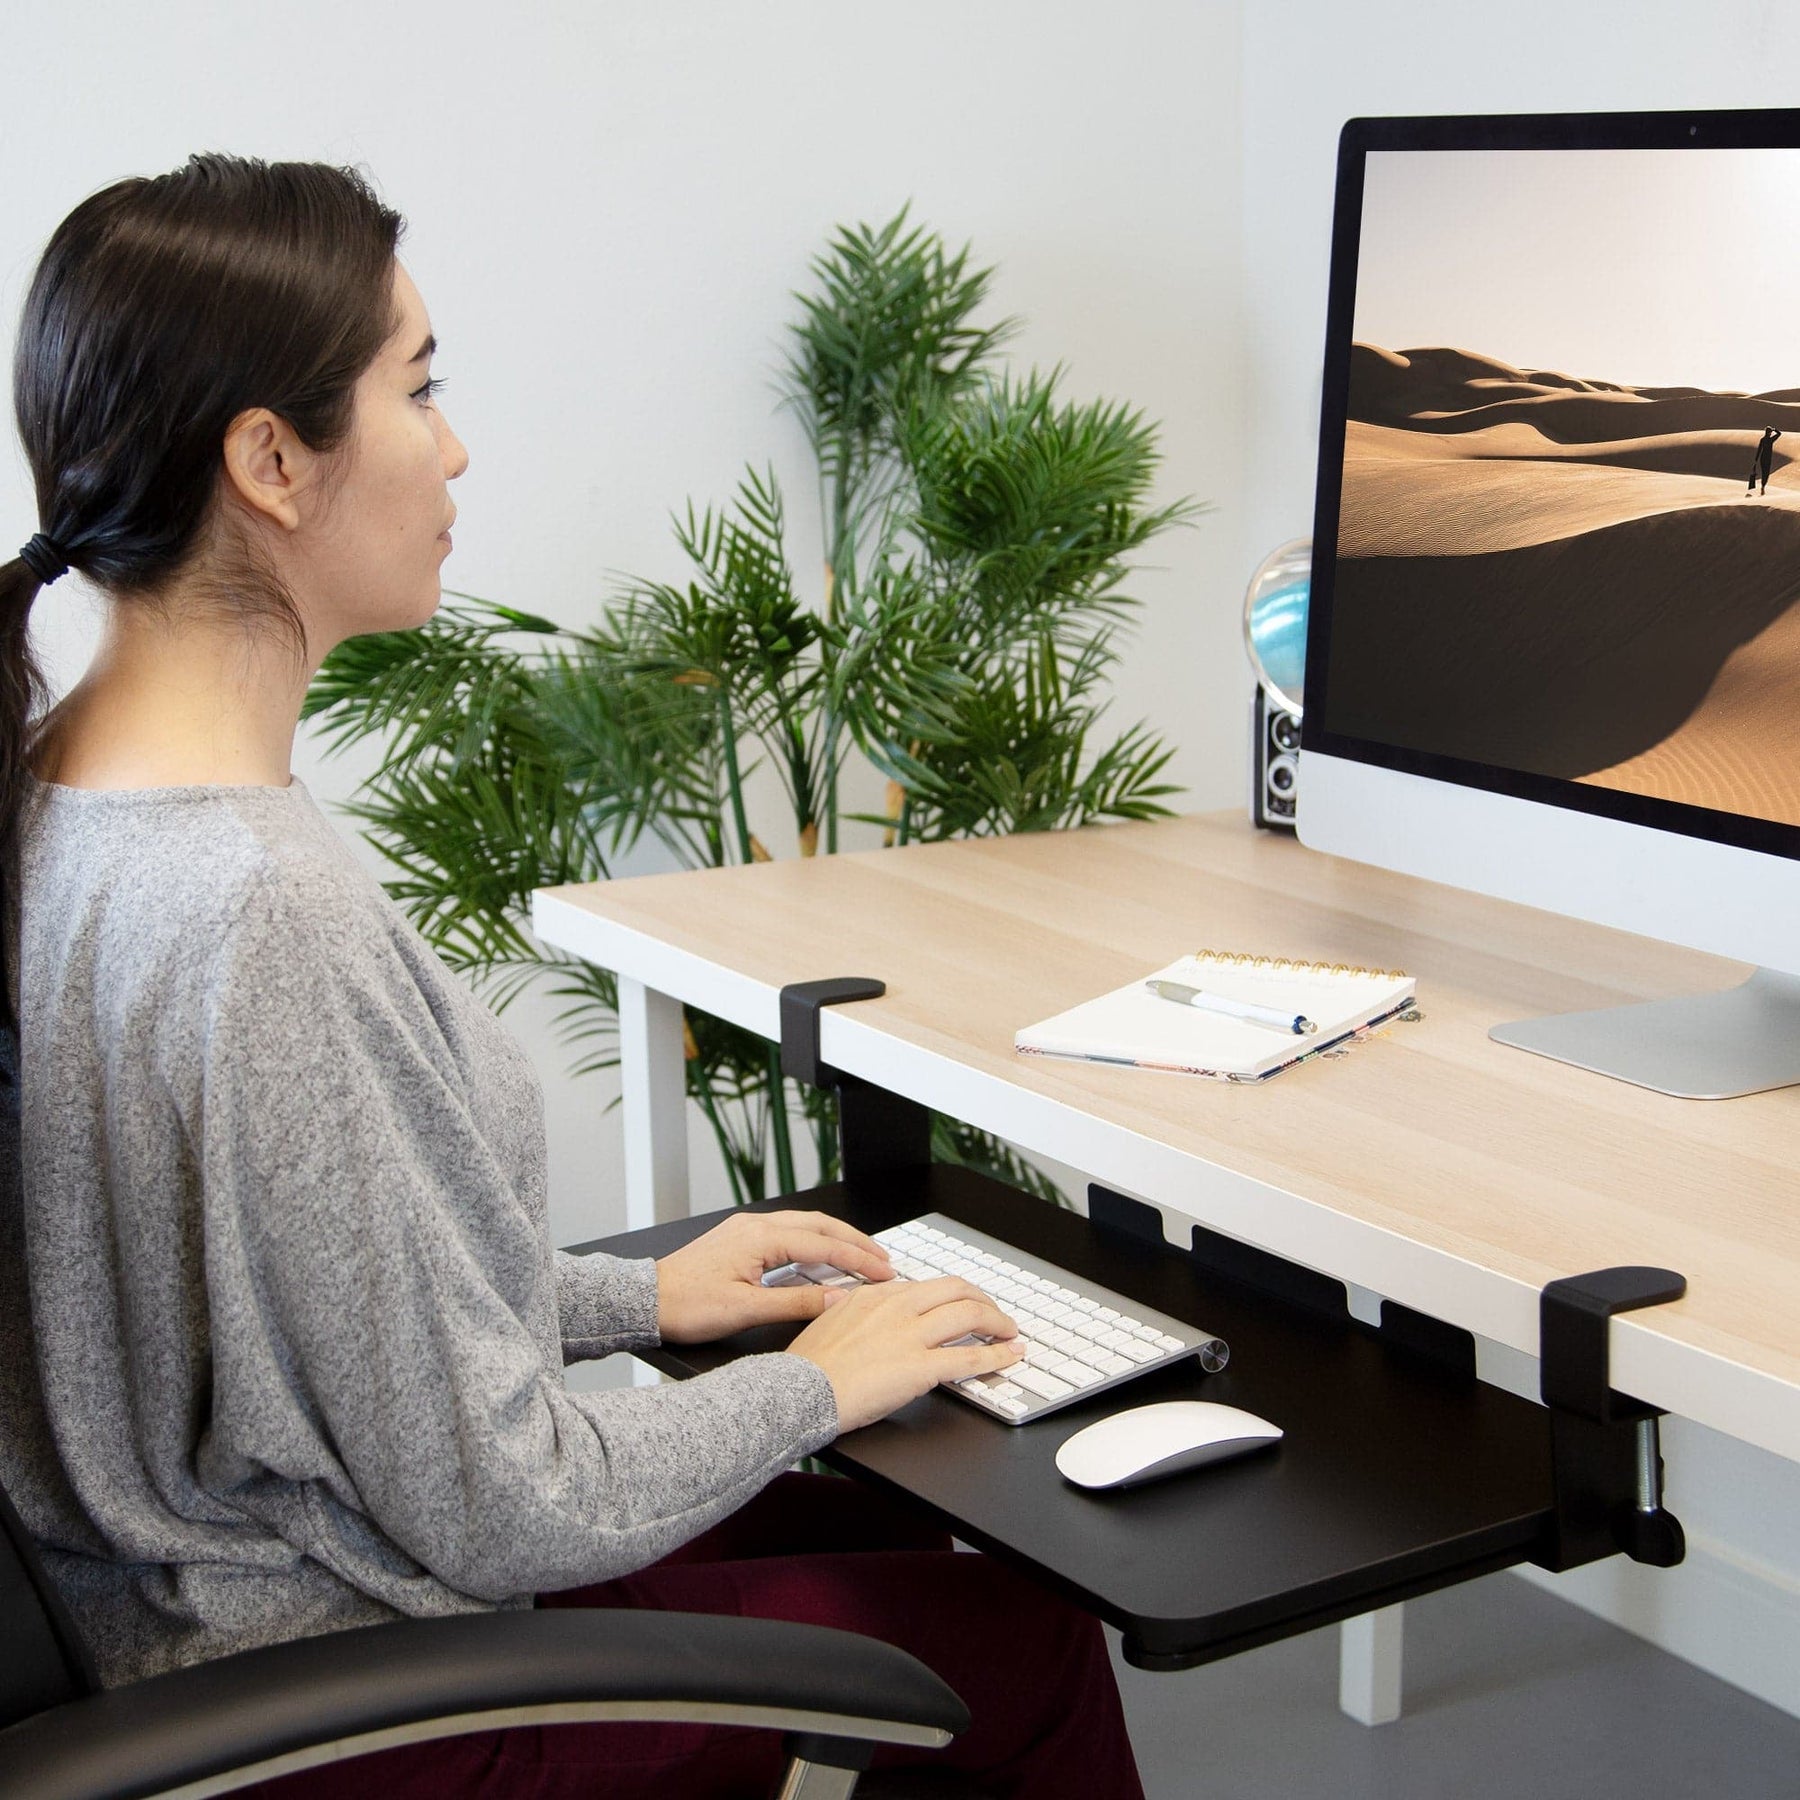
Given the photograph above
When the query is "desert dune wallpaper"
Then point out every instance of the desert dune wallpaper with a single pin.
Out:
(1564, 567)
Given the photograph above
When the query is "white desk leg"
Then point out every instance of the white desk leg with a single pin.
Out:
(1369, 1649)
(653, 1075)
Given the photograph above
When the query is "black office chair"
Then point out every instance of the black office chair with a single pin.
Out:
(218, 1725)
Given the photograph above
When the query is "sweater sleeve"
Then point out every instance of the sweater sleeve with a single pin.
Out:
(605, 1303)
(371, 1278)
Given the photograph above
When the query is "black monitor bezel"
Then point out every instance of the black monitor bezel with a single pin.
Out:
(1768, 128)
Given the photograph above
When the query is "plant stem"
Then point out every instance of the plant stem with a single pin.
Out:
(778, 1118)
(778, 1124)
(825, 1146)
(733, 779)
(726, 1156)
(828, 736)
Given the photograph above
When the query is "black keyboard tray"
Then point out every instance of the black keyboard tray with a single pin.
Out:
(1399, 1473)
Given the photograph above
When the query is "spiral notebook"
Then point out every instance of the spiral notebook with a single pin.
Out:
(1132, 1025)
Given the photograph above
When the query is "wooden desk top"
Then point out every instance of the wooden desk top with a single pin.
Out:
(1432, 1165)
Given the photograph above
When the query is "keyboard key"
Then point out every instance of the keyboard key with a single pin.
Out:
(1138, 1351)
(1107, 1313)
(1046, 1387)
(1148, 1333)
(1083, 1304)
(1166, 1344)
(1076, 1374)
(1043, 1356)
(1112, 1363)
(1013, 1408)
(1096, 1356)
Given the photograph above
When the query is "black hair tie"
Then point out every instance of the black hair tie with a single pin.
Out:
(45, 558)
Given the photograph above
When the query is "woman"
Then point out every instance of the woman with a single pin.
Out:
(282, 1329)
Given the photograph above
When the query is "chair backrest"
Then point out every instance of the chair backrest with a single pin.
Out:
(43, 1661)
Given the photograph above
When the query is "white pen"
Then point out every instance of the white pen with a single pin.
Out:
(1296, 1023)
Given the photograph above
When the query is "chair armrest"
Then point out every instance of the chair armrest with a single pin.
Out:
(218, 1725)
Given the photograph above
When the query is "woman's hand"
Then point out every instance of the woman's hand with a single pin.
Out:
(713, 1286)
(883, 1346)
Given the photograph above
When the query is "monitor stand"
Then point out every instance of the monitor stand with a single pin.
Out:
(1700, 1047)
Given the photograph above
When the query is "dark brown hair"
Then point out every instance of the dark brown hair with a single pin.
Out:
(162, 309)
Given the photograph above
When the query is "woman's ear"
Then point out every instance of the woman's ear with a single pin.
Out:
(270, 470)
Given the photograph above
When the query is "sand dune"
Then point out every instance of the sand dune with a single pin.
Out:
(1723, 455)
(1441, 390)
(1542, 572)
(1739, 748)
(1540, 658)
(1449, 506)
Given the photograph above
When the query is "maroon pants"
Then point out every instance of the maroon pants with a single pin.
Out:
(1032, 1670)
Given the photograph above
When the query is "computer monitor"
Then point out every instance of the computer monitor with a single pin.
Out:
(1554, 644)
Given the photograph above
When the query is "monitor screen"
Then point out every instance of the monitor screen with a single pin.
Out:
(1557, 548)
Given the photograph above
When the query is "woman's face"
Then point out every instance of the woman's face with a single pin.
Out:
(375, 559)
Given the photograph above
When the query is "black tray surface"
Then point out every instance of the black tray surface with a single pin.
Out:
(1397, 1475)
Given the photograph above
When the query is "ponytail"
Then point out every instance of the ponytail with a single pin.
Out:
(23, 693)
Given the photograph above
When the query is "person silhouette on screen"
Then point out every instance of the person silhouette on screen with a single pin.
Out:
(1765, 458)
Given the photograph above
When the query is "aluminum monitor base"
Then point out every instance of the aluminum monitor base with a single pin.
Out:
(1700, 1047)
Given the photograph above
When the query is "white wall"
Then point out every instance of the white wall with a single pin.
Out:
(1309, 65)
(609, 207)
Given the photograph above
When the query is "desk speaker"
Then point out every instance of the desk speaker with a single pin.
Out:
(1275, 609)
(1274, 762)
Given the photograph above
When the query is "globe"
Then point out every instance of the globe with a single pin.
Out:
(1275, 622)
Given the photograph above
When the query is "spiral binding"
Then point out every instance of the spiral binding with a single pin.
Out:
(1293, 965)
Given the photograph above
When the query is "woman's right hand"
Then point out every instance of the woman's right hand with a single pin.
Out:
(888, 1342)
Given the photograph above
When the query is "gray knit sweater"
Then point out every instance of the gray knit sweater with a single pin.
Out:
(281, 1329)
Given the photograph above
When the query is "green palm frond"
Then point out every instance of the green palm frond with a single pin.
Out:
(590, 1014)
(1015, 751)
(889, 327)
(954, 1142)
(438, 688)
(1028, 509)
(472, 845)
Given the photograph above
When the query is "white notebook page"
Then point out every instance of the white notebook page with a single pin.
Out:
(1133, 1025)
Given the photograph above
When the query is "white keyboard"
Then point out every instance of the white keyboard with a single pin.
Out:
(1080, 1338)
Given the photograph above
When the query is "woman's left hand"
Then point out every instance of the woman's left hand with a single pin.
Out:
(713, 1286)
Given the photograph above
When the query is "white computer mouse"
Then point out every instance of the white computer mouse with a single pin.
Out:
(1149, 1442)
